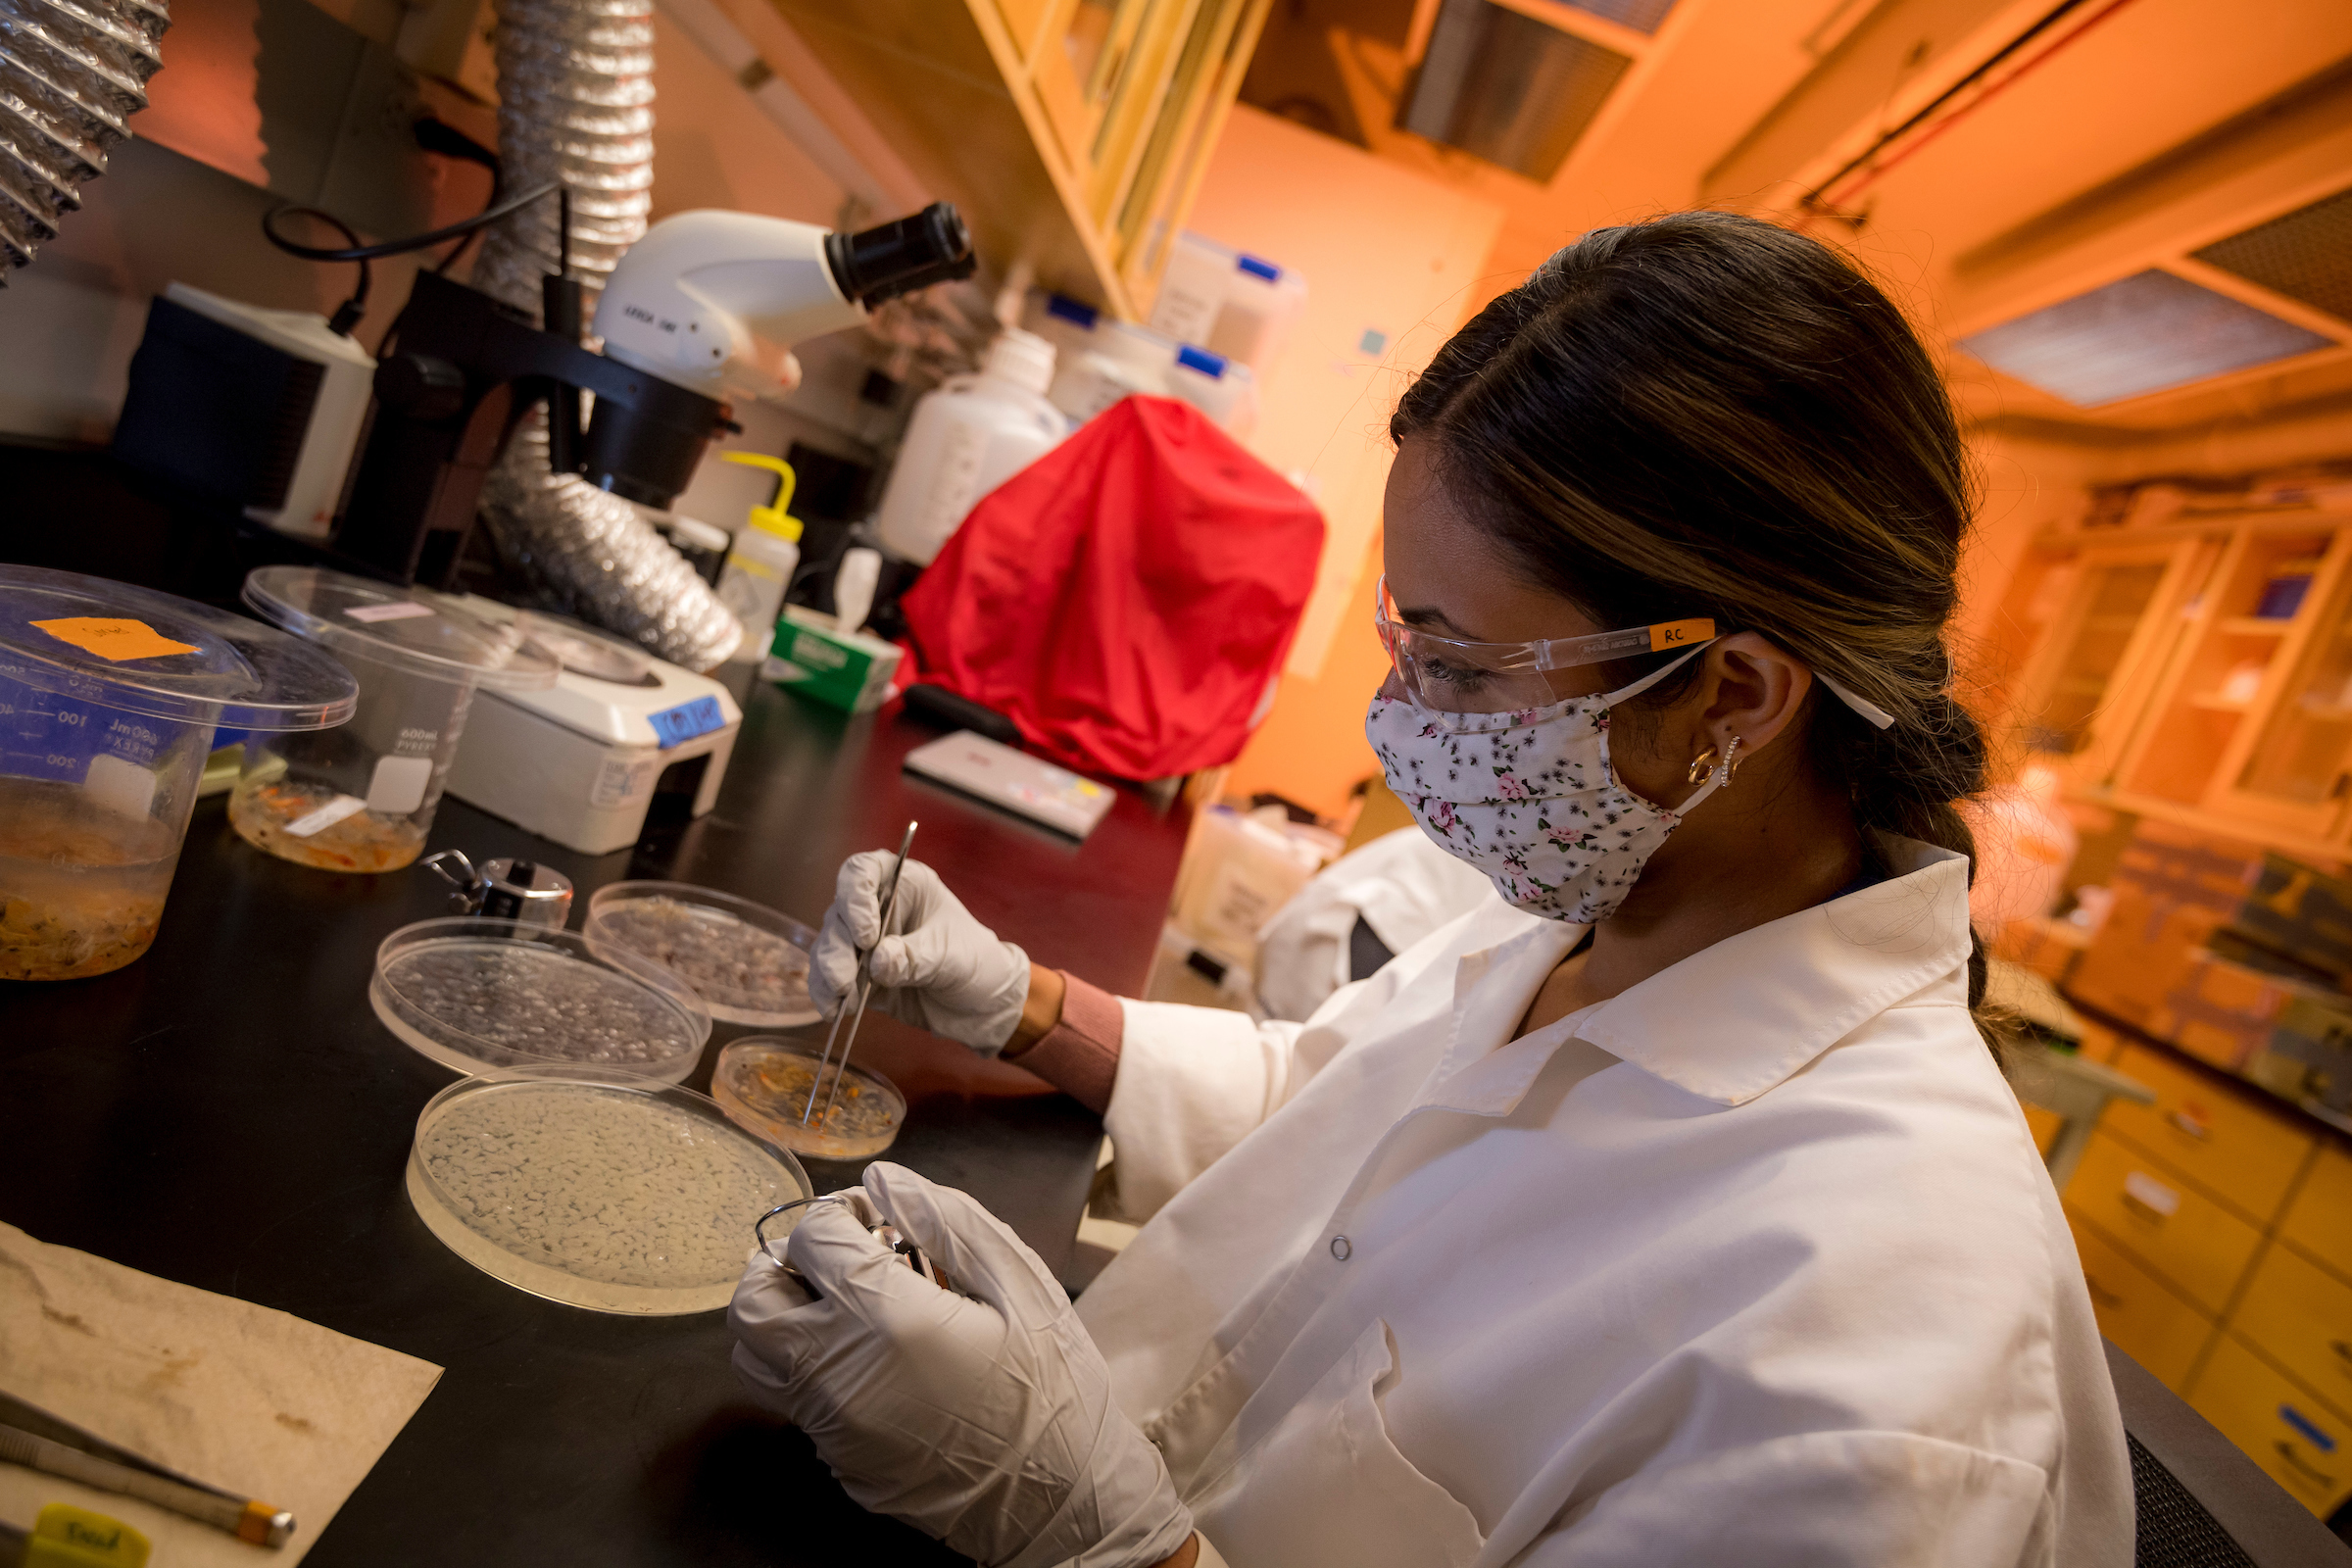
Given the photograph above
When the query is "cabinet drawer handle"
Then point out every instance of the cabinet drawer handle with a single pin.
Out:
(2344, 1355)
(2190, 1125)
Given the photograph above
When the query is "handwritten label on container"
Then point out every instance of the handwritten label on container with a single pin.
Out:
(407, 610)
(114, 640)
(682, 724)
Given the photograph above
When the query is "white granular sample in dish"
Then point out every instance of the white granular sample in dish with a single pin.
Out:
(724, 959)
(538, 1001)
(601, 1184)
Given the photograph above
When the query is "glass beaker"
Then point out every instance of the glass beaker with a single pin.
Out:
(109, 699)
(362, 797)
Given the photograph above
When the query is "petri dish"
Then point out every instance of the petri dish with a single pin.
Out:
(599, 1190)
(489, 997)
(748, 964)
(109, 698)
(763, 1084)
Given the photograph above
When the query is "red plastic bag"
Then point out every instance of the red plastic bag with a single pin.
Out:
(1126, 598)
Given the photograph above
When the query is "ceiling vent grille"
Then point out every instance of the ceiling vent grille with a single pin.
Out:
(2139, 334)
(1509, 88)
(2306, 255)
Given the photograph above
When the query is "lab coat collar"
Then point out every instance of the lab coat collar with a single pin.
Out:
(1730, 1022)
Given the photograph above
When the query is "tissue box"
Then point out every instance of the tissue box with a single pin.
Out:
(847, 670)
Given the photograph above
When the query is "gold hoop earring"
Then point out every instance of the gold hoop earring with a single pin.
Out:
(1729, 769)
(1701, 766)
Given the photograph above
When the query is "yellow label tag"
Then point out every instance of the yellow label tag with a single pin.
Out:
(115, 640)
(1679, 634)
(67, 1537)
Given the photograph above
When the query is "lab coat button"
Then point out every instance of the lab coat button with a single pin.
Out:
(1341, 1248)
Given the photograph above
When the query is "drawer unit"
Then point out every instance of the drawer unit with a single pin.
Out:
(2167, 1225)
(2043, 1124)
(2319, 1219)
(2098, 1044)
(2296, 1439)
(2300, 1316)
(2148, 1320)
(2222, 1141)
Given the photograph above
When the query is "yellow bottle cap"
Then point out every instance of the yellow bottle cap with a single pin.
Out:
(67, 1537)
(771, 517)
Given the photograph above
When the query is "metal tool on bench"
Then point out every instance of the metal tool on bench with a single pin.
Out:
(33, 1437)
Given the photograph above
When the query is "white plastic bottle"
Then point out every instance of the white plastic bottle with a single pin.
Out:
(760, 567)
(967, 437)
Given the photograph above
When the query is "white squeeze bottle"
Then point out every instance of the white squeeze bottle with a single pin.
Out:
(967, 437)
(760, 567)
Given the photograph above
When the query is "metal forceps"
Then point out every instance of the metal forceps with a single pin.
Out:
(888, 1234)
(866, 989)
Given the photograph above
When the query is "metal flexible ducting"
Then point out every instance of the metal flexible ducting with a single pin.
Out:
(72, 74)
(575, 88)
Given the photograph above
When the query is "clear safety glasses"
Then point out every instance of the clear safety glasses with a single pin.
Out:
(1459, 683)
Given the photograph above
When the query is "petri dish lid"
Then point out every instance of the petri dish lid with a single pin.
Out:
(598, 1190)
(489, 997)
(163, 656)
(749, 963)
(414, 629)
(589, 653)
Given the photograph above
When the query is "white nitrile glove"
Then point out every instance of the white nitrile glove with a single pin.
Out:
(984, 1421)
(937, 968)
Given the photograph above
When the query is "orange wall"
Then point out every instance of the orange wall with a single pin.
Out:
(1386, 249)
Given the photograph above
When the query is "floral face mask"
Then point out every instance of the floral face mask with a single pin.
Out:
(1530, 798)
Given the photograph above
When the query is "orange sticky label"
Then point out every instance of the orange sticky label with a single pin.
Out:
(1679, 634)
(115, 640)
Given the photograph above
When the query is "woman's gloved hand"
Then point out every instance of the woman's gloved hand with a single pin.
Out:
(984, 1421)
(937, 967)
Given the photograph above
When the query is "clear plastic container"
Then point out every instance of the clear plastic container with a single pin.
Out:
(763, 1083)
(362, 797)
(1229, 302)
(748, 964)
(1223, 389)
(490, 996)
(109, 699)
(598, 1190)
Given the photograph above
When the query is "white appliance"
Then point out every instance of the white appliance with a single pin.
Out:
(581, 761)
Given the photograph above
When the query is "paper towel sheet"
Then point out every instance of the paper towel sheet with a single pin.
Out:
(232, 1394)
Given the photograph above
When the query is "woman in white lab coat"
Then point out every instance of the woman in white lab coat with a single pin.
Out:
(1668, 1208)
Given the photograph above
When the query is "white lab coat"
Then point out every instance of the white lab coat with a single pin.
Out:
(1400, 884)
(1754, 1265)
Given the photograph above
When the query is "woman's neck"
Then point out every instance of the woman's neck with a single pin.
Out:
(1763, 848)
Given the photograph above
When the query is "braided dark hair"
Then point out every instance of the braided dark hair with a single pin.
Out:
(1707, 415)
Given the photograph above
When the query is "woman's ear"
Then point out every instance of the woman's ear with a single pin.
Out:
(1750, 689)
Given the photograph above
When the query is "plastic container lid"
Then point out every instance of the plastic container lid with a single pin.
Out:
(490, 996)
(1021, 358)
(412, 629)
(748, 964)
(163, 656)
(763, 1084)
(598, 1190)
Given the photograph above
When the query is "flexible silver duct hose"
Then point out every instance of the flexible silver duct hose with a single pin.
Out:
(575, 88)
(72, 74)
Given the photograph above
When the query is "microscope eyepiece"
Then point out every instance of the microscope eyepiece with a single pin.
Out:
(897, 258)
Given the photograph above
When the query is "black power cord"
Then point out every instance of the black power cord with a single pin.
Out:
(436, 137)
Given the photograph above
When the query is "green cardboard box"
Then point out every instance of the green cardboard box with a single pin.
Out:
(847, 670)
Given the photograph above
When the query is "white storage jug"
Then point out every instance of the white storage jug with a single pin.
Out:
(969, 436)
